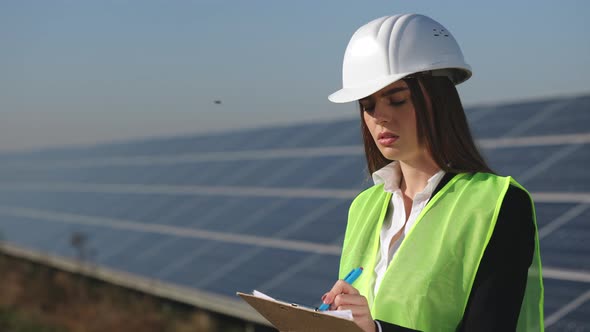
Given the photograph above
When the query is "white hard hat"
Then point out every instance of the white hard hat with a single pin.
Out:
(389, 48)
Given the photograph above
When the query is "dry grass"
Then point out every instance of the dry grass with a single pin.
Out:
(79, 304)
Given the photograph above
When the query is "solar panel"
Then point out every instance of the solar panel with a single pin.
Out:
(561, 293)
(575, 320)
(550, 212)
(572, 118)
(569, 174)
(266, 208)
(501, 120)
(259, 267)
(306, 280)
(567, 246)
(518, 161)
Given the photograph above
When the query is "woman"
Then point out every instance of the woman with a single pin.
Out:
(446, 245)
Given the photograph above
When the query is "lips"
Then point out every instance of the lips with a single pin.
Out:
(387, 138)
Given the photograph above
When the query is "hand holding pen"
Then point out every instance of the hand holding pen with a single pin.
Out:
(345, 297)
(349, 279)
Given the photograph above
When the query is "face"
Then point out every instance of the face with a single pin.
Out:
(391, 119)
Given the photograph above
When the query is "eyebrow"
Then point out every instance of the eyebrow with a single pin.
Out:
(388, 93)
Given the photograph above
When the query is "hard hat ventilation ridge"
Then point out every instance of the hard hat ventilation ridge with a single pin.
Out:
(399, 25)
(440, 32)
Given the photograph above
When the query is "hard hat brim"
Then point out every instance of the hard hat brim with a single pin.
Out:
(349, 94)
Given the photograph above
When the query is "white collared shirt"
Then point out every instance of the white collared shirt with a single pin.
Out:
(390, 175)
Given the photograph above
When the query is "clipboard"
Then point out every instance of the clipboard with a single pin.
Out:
(292, 318)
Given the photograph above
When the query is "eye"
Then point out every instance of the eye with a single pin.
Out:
(393, 102)
(369, 108)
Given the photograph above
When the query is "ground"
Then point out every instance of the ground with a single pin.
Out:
(42, 299)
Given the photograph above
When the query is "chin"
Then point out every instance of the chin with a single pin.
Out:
(391, 155)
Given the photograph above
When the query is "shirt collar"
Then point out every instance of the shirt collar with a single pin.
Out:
(390, 176)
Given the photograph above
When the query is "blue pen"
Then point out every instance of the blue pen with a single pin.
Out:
(350, 278)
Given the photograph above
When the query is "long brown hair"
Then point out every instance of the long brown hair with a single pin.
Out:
(442, 128)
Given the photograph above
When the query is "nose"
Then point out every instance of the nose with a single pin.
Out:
(381, 113)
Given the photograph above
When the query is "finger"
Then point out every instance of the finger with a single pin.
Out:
(350, 299)
(358, 312)
(339, 287)
(354, 308)
(342, 286)
(361, 315)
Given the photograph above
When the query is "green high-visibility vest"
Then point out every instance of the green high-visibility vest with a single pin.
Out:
(427, 284)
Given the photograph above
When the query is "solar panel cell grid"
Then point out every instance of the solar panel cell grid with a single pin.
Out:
(307, 286)
(285, 220)
(328, 222)
(502, 119)
(572, 118)
(340, 133)
(518, 161)
(16, 229)
(151, 263)
(123, 246)
(191, 211)
(548, 212)
(569, 174)
(560, 293)
(203, 271)
(261, 266)
(320, 172)
(129, 252)
(567, 246)
(574, 321)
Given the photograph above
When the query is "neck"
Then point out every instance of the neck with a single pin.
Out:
(415, 175)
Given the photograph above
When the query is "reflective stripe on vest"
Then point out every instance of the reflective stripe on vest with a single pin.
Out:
(427, 284)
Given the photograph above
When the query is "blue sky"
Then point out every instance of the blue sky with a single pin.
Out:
(79, 72)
